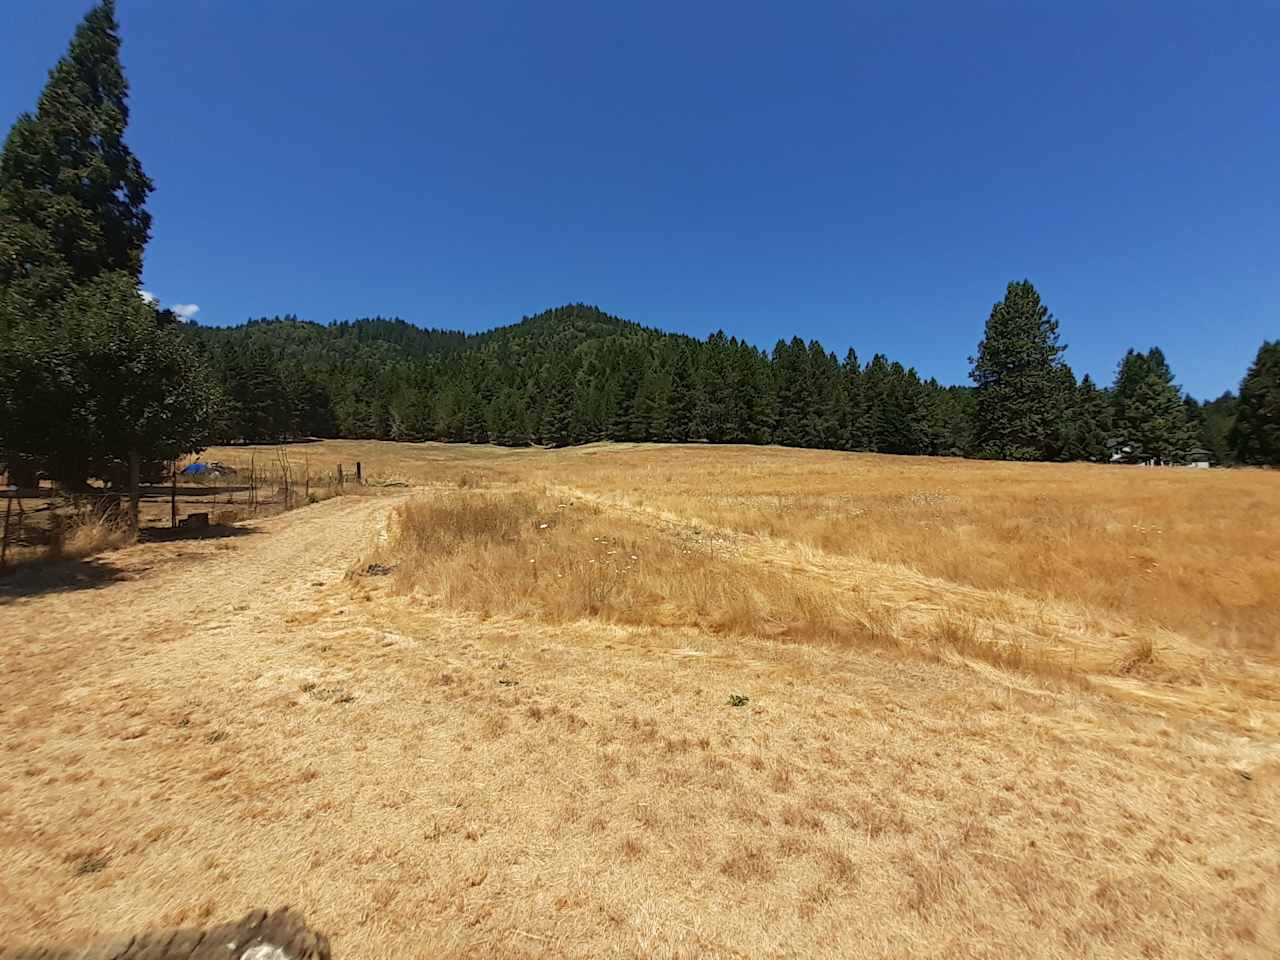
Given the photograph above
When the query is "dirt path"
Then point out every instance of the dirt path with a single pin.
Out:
(127, 684)
(208, 599)
(218, 582)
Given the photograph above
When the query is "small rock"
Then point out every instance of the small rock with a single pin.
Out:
(265, 951)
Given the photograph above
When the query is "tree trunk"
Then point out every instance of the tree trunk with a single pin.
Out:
(4, 544)
(135, 496)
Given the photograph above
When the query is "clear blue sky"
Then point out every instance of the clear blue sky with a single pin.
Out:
(863, 173)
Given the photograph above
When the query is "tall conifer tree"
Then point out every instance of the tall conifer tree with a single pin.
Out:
(793, 390)
(1149, 412)
(1019, 393)
(1255, 436)
(72, 194)
(1218, 418)
(853, 412)
(1092, 423)
(73, 327)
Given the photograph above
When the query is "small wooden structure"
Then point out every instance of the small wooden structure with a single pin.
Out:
(259, 936)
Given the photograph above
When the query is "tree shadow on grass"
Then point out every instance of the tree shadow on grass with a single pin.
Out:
(215, 531)
(92, 573)
(58, 576)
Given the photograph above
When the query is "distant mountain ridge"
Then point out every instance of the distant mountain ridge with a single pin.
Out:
(570, 374)
(575, 374)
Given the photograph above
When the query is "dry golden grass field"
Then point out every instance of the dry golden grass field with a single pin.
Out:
(649, 701)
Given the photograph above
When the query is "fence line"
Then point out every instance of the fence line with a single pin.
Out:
(277, 482)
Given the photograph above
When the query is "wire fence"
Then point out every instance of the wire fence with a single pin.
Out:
(193, 494)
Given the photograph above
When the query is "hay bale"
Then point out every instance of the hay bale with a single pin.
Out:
(259, 936)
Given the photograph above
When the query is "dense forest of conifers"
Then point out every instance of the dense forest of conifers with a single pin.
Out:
(99, 383)
(569, 375)
(575, 375)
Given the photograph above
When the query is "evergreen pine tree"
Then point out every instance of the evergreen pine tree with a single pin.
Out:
(750, 416)
(1064, 436)
(594, 401)
(875, 386)
(533, 401)
(128, 386)
(685, 398)
(1219, 418)
(957, 413)
(712, 414)
(628, 365)
(854, 413)
(448, 414)
(260, 397)
(557, 416)
(72, 194)
(1149, 413)
(507, 426)
(896, 418)
(652, 406)
(1133, 370)
(897, 408)
(475, 422)
(931, 416)
(1019, 391)
(822, 406)
(1255, 436)
(309, 414)
(1092, 423)
(792, 389)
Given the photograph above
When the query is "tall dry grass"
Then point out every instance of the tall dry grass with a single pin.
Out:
(523, 555)
(1193, 551)
(78, 538)
(518, 554)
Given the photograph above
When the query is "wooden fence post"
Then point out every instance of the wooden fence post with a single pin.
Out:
(359, 473)
(4, 544)
(57, 535)
(286, 474)
(173, 497)
(135, 495)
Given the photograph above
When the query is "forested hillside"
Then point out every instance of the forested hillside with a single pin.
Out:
(570, 375)
(575, 374)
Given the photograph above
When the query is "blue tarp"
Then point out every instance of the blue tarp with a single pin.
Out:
(195, 469)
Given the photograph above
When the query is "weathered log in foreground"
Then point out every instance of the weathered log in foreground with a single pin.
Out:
(259, 936)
